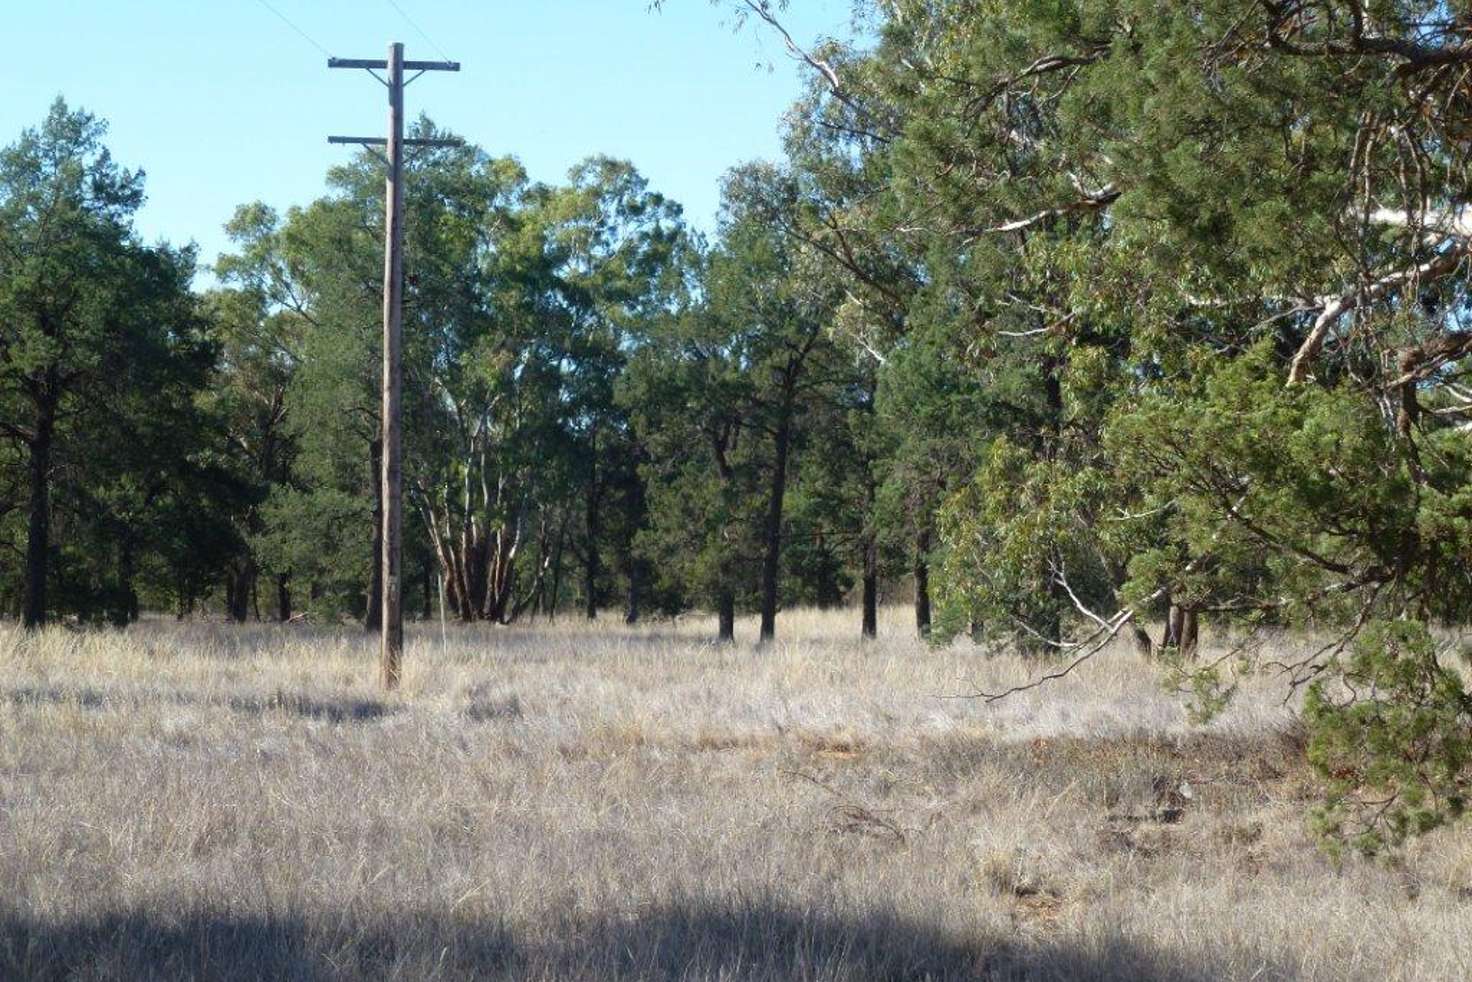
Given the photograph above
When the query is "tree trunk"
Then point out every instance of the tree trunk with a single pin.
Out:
(239, 588)
(38, 532)
(870, 628)
(726, 615)
(127, 612)
(556, 573)
(1174, 621)
(373, 616)
(772, 531)
(631, 609)
(922, 581)
(283, 599)
(1051, 626)
(591, 560)
(1189, 633)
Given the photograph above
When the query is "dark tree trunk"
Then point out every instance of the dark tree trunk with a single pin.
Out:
(772, 530)
(373, 615)
(591, 560)
(1051, 626)
(556, 574)
(870, 627)
(38, 532)
(427, 611)
(726, 615)
(127, 566)
(922, 581)
(239, 589)
(283, 599)
(631, 609)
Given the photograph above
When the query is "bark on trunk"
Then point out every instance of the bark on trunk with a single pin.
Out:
(283, 599)
(38, 532)
(631, 608)
(726, 615)
(591, 559)
(870, 628)
(239, 590)
(772, 532)
(1171, 639)
(725, 599)
(922, 582)
(556, 574)
(128, 593)
(1189, 633)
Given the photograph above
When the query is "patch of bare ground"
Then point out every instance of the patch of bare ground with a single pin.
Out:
(598, 802)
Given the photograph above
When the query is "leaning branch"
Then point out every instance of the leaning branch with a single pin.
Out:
(1333, 308)
(1094, 201)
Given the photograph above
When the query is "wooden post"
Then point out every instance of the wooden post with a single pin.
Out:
(392, 478)
(392, 648)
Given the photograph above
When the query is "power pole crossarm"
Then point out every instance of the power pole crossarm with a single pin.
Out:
(409, 66)
(378, 141)
(392, 640)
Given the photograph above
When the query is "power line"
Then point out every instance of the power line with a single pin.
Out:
(411, 22)
(288, 22)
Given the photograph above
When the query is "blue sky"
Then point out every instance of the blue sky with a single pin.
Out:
(222, 103)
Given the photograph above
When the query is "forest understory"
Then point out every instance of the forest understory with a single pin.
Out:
(596, 801)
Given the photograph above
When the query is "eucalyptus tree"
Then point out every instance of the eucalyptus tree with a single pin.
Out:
(690, 400)
(776, 306)
(619, 250)
(303, 310)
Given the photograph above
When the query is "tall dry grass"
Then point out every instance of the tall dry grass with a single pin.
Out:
(595, 802)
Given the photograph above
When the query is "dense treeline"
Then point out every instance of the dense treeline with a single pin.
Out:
(1093, 315)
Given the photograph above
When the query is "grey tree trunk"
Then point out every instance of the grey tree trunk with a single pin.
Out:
(1189, 633)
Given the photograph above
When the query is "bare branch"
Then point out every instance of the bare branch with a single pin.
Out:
(1333, 308)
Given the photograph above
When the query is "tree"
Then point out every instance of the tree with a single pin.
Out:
(92, 321)
(691, 400)
(775, 306)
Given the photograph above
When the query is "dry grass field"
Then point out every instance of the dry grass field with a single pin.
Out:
(575, 802)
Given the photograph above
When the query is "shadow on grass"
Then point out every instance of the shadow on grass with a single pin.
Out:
(282, 701)
(307, 707)
(746, 941)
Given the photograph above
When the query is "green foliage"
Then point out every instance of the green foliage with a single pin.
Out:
(103, 351)
(1392, 735)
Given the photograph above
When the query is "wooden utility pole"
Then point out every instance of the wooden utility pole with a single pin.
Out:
(392, 630)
